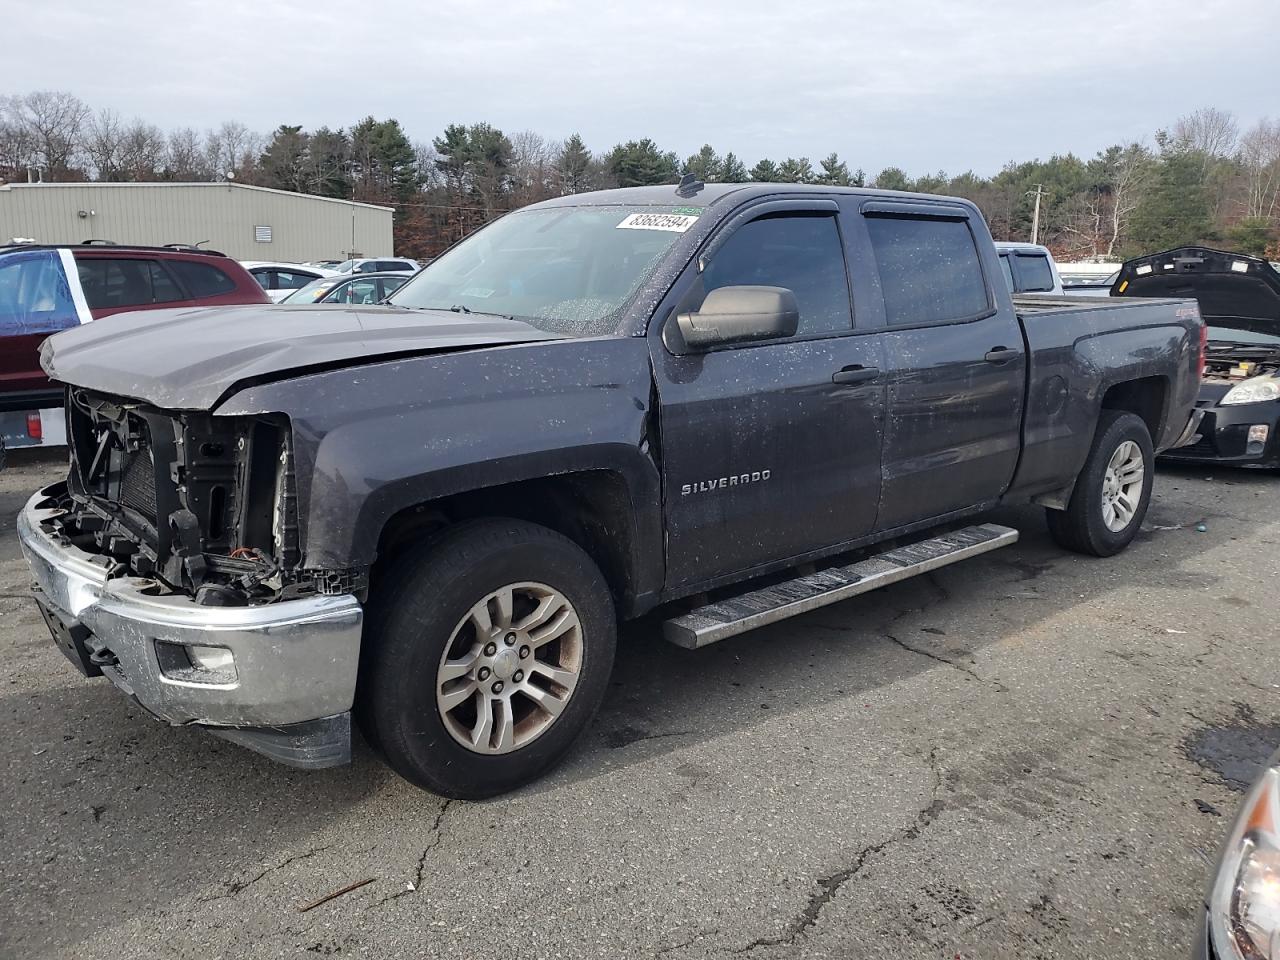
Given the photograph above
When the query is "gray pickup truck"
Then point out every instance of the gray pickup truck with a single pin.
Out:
(722, 405)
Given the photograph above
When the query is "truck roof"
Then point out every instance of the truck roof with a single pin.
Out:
(1017, 245)
(711, 193)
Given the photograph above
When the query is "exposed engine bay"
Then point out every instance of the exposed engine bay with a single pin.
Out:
(1231, 363)
(203, 505)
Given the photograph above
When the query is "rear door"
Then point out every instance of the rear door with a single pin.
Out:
(770, 450)
(956, 364)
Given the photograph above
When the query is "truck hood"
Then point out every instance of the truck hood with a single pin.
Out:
(189, 359)
(1233, 290)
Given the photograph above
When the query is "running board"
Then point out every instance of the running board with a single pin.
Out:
(726, 618)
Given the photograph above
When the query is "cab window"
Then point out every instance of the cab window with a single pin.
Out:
(802, 253)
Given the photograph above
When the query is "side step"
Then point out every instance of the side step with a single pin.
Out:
(726, 618)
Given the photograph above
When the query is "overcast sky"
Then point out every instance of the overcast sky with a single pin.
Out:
(921, 84)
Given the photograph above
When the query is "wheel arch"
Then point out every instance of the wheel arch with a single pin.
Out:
(1146, 397)
(598, 509)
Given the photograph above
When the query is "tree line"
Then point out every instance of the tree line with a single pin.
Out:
(1201, 180)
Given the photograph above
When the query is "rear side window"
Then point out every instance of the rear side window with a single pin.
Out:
(929, 270)
(801, 253)
(110, 284)
(35, 297)
(292, 281)
(357, 291)
(391, 284)
(393, 265)
(202, 279)
(1035, 274)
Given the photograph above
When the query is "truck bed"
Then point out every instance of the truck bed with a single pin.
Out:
(1077, 350)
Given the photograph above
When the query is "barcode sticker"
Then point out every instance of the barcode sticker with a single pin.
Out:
(671, 222)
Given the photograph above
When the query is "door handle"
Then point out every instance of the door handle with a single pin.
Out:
(999, 355)
(855, 373)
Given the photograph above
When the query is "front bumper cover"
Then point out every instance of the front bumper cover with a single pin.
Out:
(1222, 437)
(295, 661)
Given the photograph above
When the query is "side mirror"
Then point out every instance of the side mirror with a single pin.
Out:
(739, 315)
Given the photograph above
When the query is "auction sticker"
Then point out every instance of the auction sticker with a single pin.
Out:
(672, 222)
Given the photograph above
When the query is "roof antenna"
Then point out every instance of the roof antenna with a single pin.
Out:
(689, 185)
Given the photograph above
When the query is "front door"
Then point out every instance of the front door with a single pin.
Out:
(771, 450)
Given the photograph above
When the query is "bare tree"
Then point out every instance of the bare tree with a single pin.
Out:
(1085, 223)
(233, 148)
(1130, 170)
(1208, 130)
(17, 146)
(185, 157)
(54, 121)
(426, 167)
(102, 144)
(1260, 158)
(532, 167)
(142, 150)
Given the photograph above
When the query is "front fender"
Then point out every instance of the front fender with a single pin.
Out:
(370, 441)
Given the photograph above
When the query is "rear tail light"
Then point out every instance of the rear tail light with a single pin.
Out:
(1204, 349)
(35, 429)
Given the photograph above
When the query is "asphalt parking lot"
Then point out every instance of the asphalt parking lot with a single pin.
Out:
(1031, 754)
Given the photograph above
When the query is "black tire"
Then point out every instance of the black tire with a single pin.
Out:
(412, 617)
(1081, 527)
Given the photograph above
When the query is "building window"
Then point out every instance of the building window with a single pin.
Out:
(262, 234)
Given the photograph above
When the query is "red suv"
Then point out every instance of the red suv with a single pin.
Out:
(44, 289)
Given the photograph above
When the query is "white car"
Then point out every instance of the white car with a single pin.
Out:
(281, 279)
(379, 265)
(1029, 268)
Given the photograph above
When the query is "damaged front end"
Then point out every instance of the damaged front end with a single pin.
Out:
(170, 563)
(206, 505)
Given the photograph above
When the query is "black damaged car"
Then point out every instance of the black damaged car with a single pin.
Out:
(1239, 299)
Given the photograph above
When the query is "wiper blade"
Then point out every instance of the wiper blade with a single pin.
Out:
(458, 308)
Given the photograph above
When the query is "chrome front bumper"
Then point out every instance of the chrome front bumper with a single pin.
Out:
(294, 661)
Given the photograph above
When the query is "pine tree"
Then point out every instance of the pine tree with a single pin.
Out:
(639, 163)
(573, 166)
(766, 171)
(835, 172)
(732, 169)
(892, 178)
(1175, 210)
(705, 164)
(793, 170)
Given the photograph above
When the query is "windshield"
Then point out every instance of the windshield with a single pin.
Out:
(567, 270)
(312, 292)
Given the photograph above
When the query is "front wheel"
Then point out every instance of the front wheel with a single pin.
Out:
(1112, 491)
(487, 655)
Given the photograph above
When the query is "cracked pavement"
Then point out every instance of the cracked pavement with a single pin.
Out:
(1030, 754)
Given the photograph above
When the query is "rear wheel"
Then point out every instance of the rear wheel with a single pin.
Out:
(1112, 491)
(487, 655)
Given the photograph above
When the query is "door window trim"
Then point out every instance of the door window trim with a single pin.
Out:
(925, 210)
(694, 269)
